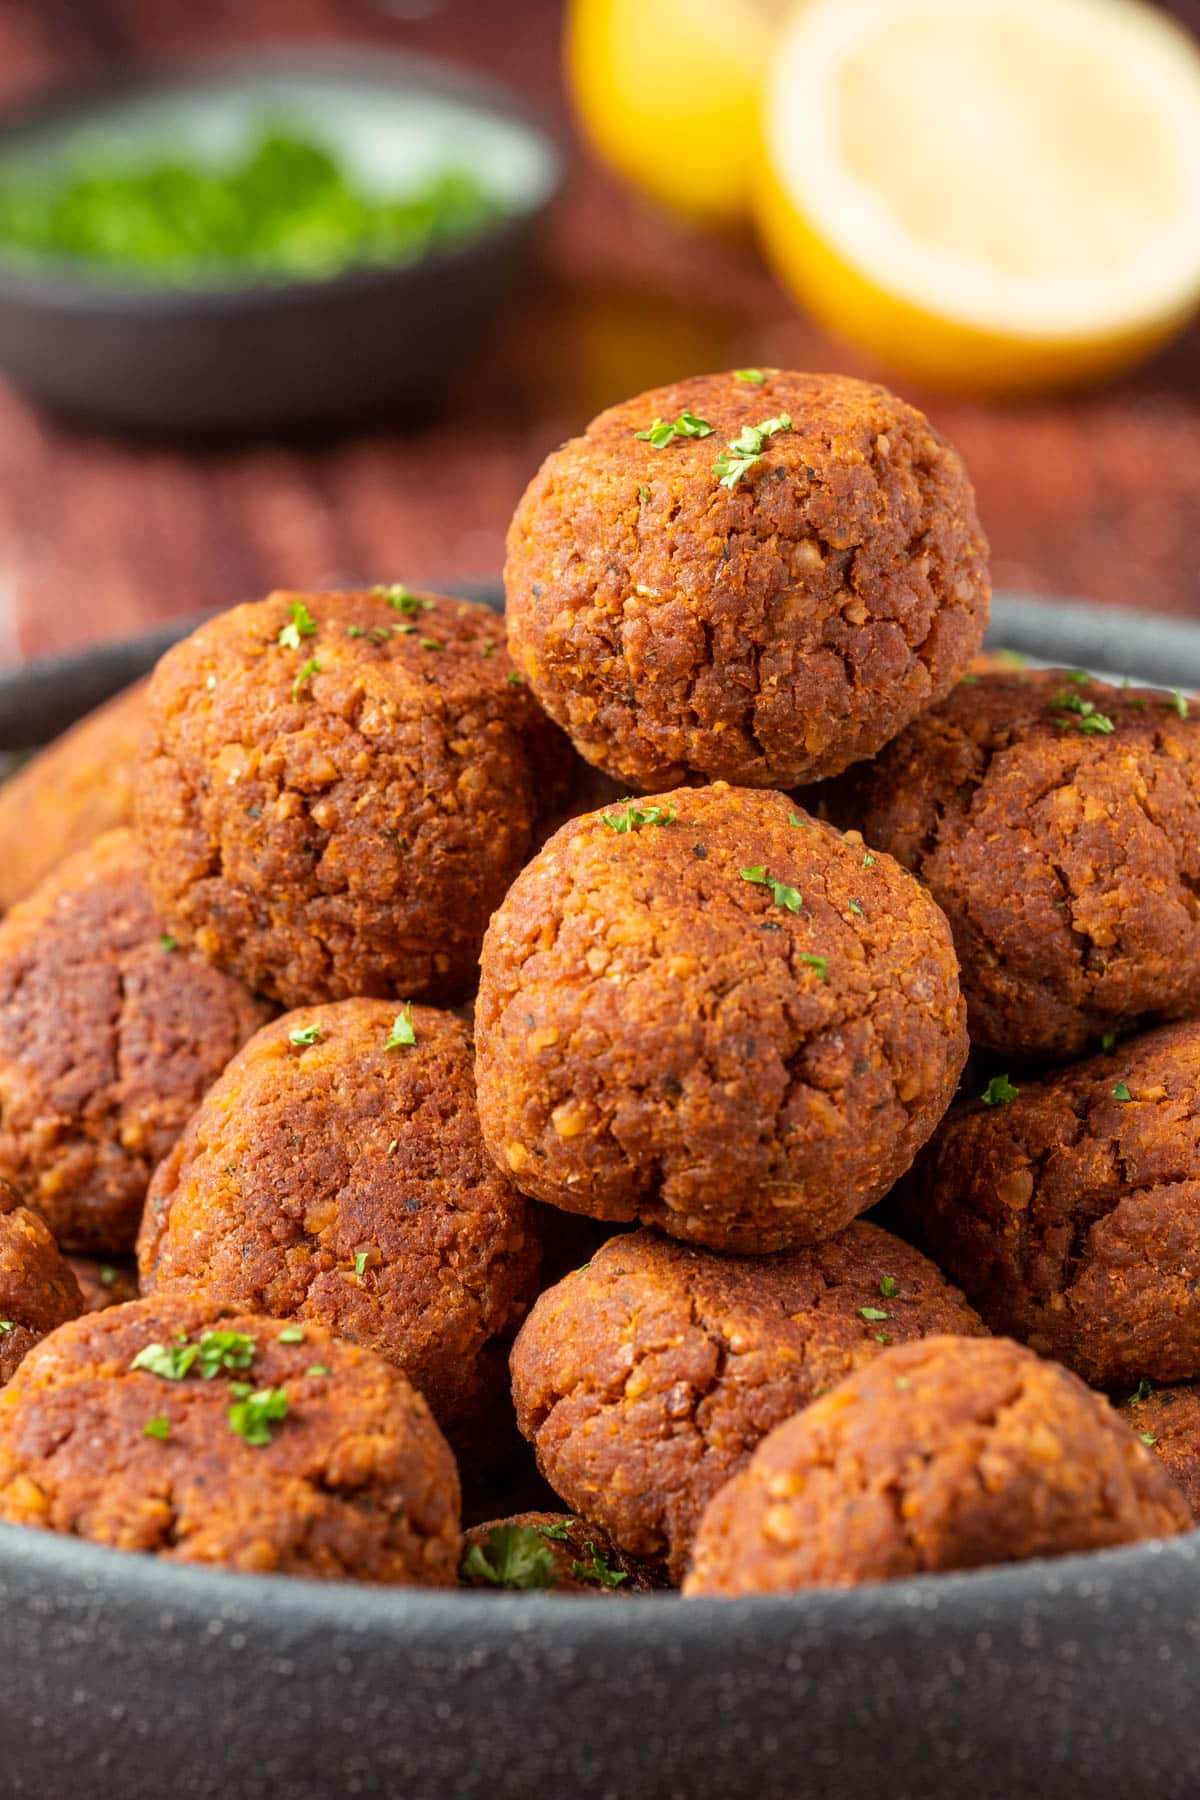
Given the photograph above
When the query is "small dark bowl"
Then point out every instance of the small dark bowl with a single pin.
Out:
(251, 356)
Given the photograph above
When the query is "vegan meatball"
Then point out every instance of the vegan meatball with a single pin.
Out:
(708, 1012)
(183, 1429)
(949, 1454)
(336, 1173)
(555, 1551)
(760, 582)
(336, 790)
(109, 1034)
(1056, 821)
(76, 788)
(1167, 1420)
(37, 1289)
(645, 1380)
(1069, 1208)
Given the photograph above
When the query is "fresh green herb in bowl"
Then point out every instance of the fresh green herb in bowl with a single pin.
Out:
(285, 208)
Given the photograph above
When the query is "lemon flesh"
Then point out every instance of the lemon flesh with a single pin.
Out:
(997, 195)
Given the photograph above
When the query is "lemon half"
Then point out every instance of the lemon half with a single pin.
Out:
(988, 194)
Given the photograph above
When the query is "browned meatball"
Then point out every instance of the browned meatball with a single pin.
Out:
(711, 1013)
(951, 1454)
(1057, 824)
(182, 1428)
(1167, 1420)
(109, 1034)
(684, 612)
(645, 1380)
(1071, 1213)
(336, 789)
(104, 1282)
(37, 1289)
(79, 786)
(335, 1172)
(554, 1551)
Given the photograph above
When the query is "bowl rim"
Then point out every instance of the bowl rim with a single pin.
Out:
(65, 284)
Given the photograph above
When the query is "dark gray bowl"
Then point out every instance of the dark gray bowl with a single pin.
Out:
(280, 353)
(124, 1676)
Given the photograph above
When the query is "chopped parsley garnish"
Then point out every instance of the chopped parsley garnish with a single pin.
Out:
(219, 1350)
(819, 963)
(170, 1361)
(402, 1033)
(291, 1334)
(889, 1287)
(1143, 1391)
(316, 1369)
(157, 1427)
(1178, 702)
(515, 678)
(873, 1314)
(402, 599)
(167, 943)
(798, 822)
(855, 907)
(253, 1413)
(1080, 677)
(643, 493)
(999, 1092)
(868, 861)
(633, 815)
(375, 634)
(881, 1337)
(1148, 1437)
(1085, 717)
(560, 1532)
(754, 376)
(6, 1325)
(1121, 1091)
(659, 434)
(304, 1035)
(431, 643)
(597, 1569)
(781, 893)
(312, 667)
(391, 1149)
(361, 1259)
(746, 449)
(514, 1556)
(108, 1275)
(1108, 1041)
(301, 624)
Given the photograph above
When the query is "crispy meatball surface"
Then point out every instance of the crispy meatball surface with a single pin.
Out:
(645, 1379)
(37, 1289)
(1167, 1420)
(767, 628)
(713, 1014)
(336, 790)
(1071, 1214)
(74, 789)
(1057, 824)
(267, 1451)
(327, 1176)
(108, 1038)
(555, 1552)
(949, 1454)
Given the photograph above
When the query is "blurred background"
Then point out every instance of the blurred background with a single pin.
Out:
(645, 268)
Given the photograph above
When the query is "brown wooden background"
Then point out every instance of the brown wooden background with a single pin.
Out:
(1096, 496)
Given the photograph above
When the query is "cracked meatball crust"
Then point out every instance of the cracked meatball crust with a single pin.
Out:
(38, 1291)
(335, 793)
(1071, 1216)
(335, 1179)
(949, 1454)
(108, 1038)
(766, 633)
(733, 1023)
(354, 1481)
(1066, 855)
(645, 1379)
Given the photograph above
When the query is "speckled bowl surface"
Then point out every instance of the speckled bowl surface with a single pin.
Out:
(122, 1676)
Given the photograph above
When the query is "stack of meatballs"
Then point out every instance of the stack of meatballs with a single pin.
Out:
(491, 1035)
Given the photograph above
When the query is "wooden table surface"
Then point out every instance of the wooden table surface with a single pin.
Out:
(99, 536)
